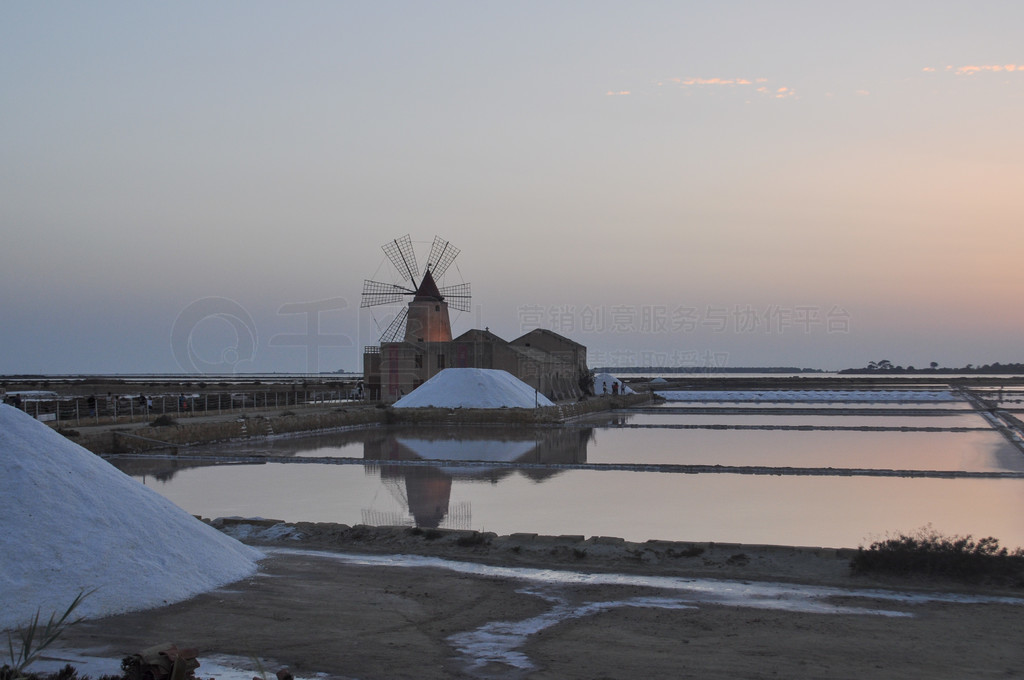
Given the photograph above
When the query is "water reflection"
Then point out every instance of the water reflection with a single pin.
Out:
(606, 476)
(426, 489)
(401, 457)
(161, 470)
(163, 465)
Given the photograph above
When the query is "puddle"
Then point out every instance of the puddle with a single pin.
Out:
(499, 642)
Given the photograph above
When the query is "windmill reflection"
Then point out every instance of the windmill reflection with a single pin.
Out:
(425, 490)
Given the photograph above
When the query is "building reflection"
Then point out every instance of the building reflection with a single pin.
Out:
(405, 456)
(417, 464)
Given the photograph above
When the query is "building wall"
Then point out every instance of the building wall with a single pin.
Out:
(371, 373)
(572, 358)
(404, 366)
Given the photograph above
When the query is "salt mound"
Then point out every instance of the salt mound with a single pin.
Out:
(473, 388)
(71, 522)
(603, 384)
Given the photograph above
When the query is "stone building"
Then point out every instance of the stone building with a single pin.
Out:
(555, 365)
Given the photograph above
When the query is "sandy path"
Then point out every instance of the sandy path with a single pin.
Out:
(312, 613)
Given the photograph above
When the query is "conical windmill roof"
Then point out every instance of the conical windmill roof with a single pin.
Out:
(428, 288)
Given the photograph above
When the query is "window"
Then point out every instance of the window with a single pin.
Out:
(419, 361)
(440, 361)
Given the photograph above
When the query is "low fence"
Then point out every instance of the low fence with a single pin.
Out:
(96, 410)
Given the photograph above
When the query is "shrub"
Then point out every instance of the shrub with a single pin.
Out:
(690, 551)
(428, 534)
(470, 540)
(36, 637)
(163, 421)
(926, 552)
(68, 672)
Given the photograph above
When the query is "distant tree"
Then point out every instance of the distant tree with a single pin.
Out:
(934, 365)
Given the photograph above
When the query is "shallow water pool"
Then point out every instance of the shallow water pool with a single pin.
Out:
(556, 480)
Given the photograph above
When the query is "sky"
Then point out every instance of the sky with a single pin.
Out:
(204, 187)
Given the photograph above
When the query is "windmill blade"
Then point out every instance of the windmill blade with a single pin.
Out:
(378, 293)
(457, 296)
(442, 253)
(396, 329)
(402, 255)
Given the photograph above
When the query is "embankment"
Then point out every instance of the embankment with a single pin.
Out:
(127, 438)
(114, 439)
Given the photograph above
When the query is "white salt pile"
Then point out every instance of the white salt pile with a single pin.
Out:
(71, 522)
(473, 388)
(603, 384)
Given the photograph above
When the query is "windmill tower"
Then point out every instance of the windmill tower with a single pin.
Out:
(421, 326)
(425, 318)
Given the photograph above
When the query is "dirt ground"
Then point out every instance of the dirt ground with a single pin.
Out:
(311, 613)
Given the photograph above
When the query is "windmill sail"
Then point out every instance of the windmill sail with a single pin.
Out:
(442, 254)
(396, 329)
(402, 255)
(456, 296)
(379, 293)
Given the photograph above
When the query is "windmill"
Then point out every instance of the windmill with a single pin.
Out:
(425, 317)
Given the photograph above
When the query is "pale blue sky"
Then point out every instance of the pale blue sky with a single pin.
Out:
(758, 183)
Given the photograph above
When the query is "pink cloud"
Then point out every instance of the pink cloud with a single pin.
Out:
(971, 69)
(692, 84)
